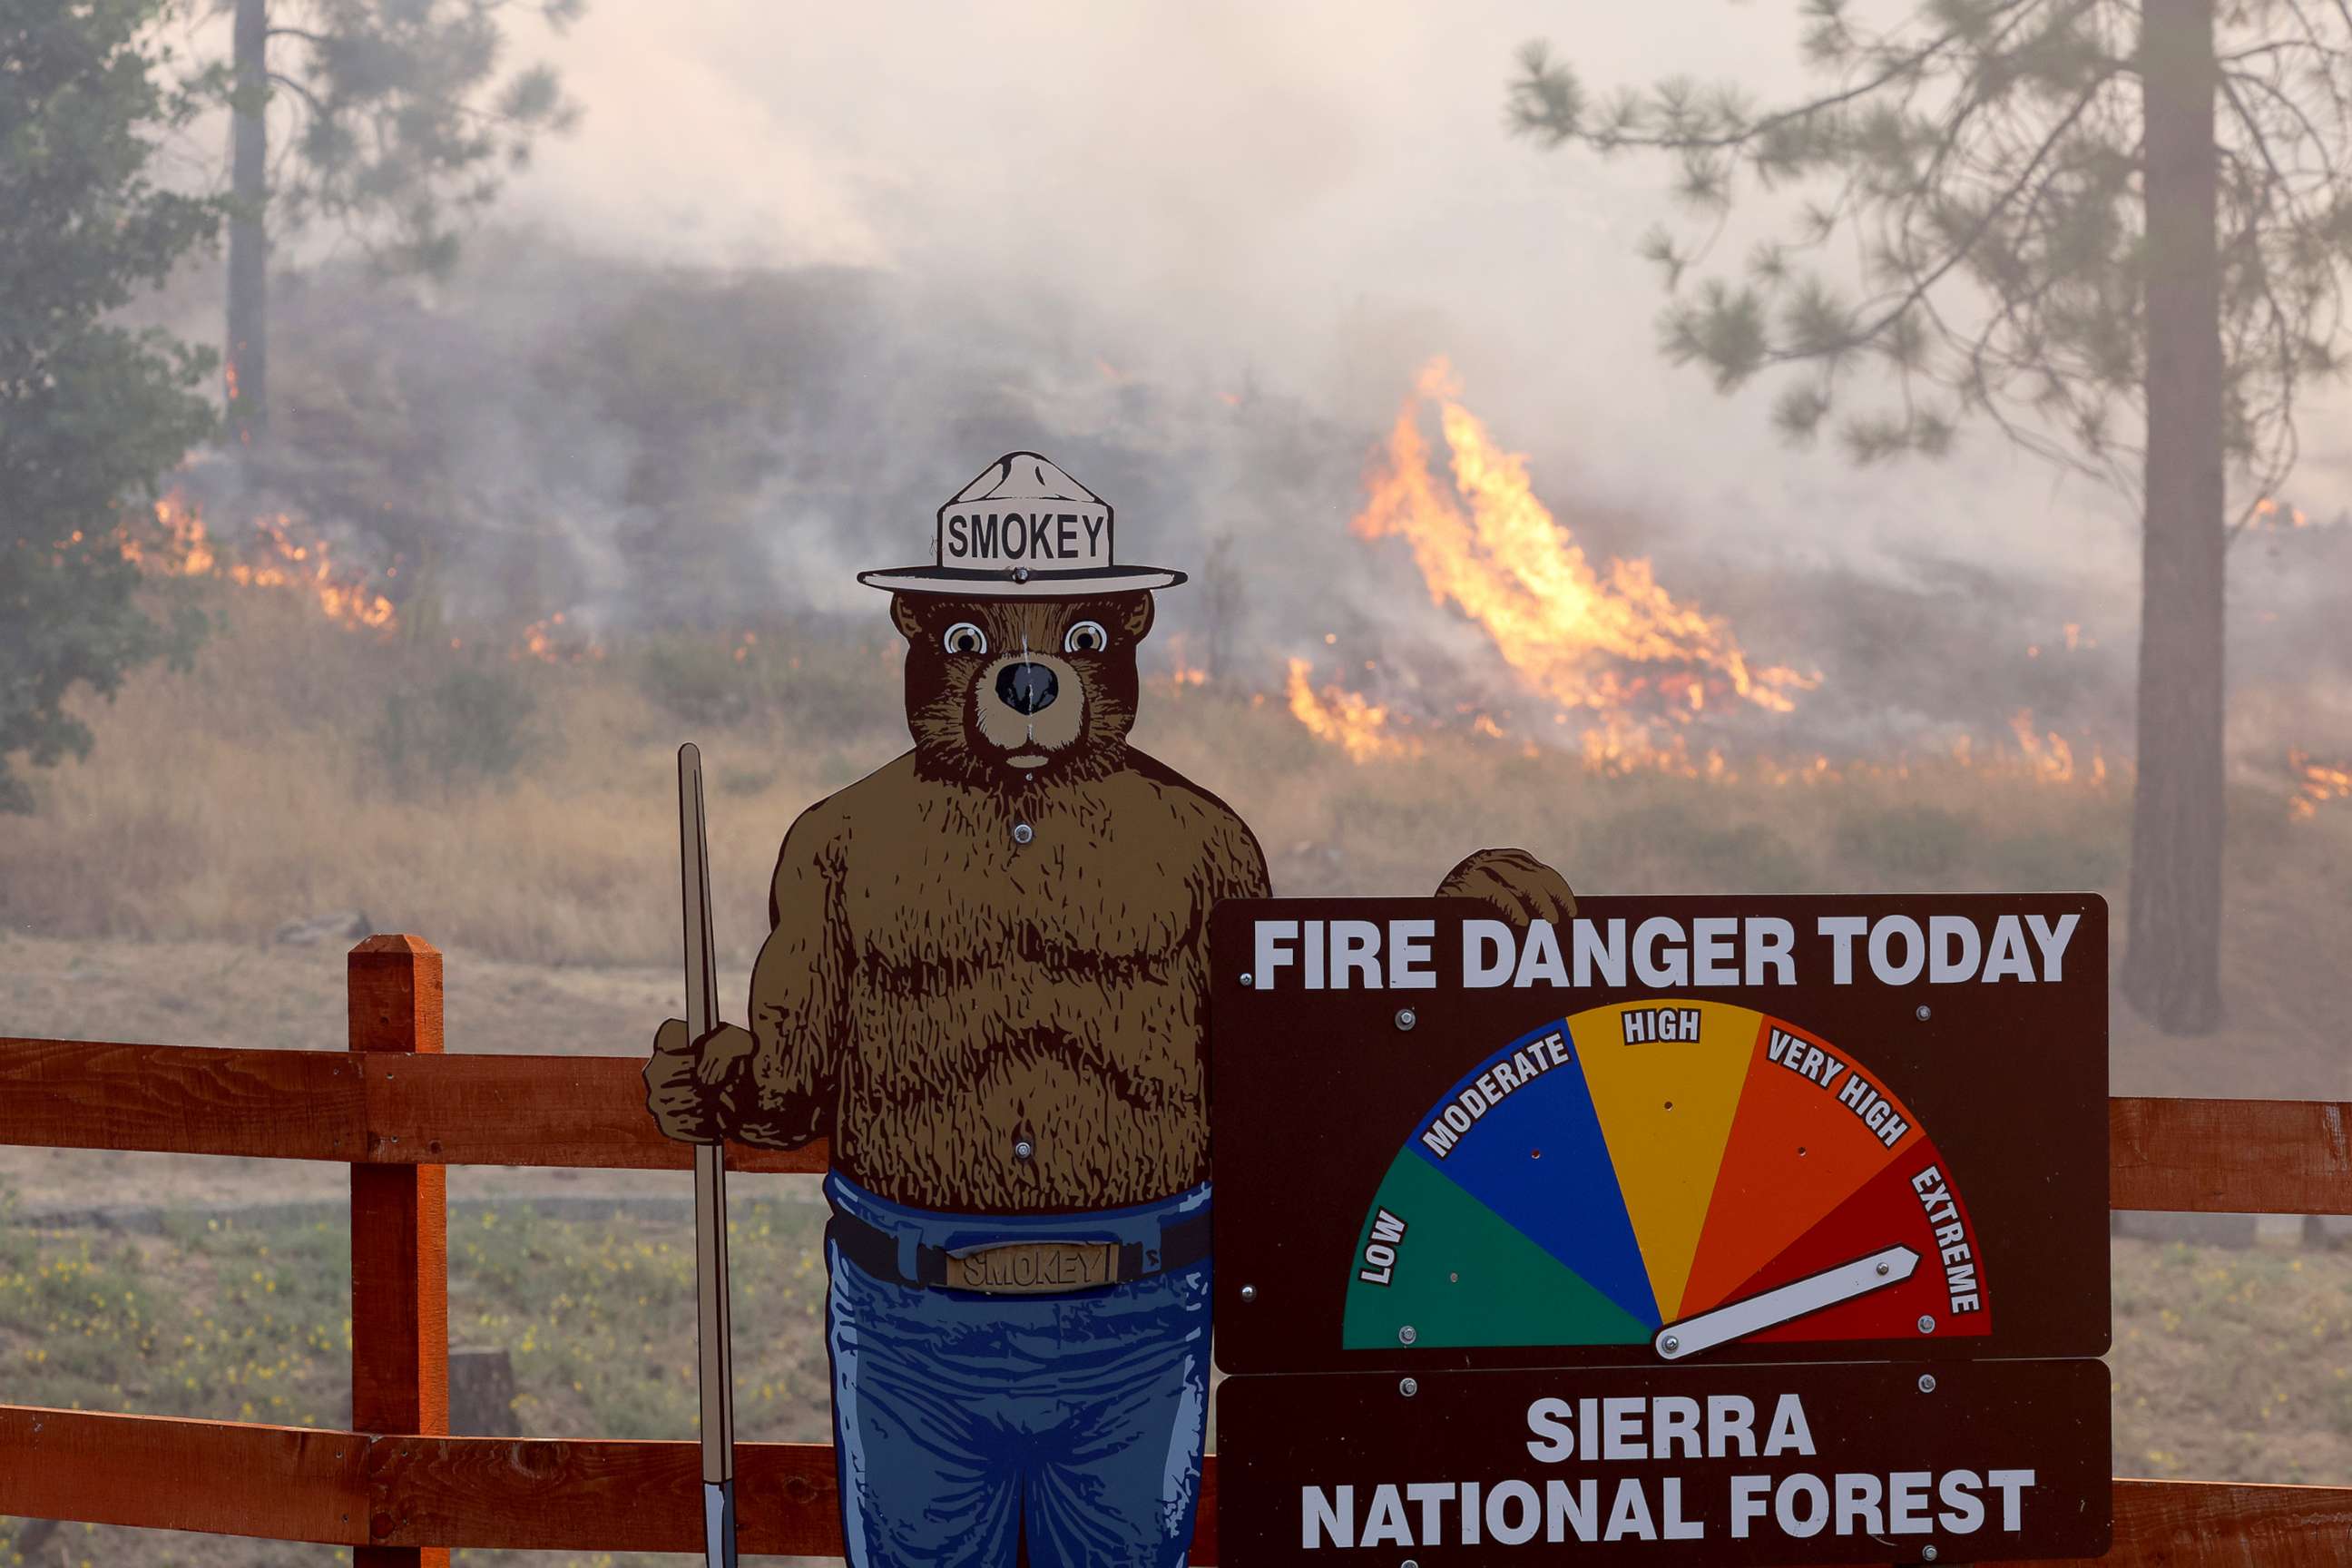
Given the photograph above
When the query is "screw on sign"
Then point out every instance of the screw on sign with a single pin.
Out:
(1671, 1225)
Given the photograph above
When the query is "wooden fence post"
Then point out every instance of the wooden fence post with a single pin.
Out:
(400, 1234)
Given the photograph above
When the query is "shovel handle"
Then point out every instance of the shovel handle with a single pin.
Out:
(713, 1328)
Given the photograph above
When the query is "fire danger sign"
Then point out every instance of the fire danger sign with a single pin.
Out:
(1677, 1137)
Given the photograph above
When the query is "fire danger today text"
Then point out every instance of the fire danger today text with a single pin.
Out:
(1714, 1495)
(1667, 952)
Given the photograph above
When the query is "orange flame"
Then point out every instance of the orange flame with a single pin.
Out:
(187, 550)
(1565, 627)
(2271, 516)
(2317, 783)
(1346, 718)
(549, 641)
(184, 551)
(2047, 753)
(1182, 672)
(1606, 642)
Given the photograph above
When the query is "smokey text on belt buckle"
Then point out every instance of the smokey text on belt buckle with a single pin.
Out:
(1034, 1268)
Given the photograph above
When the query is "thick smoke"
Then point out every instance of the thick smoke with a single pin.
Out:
(802, 272)
(643, 446)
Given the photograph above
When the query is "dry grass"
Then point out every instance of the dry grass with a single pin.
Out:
(221, 803)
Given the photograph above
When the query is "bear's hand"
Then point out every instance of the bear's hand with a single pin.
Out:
(1521, 888)
(696, 1088)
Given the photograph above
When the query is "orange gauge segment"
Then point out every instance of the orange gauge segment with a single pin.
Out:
(1813, 1126)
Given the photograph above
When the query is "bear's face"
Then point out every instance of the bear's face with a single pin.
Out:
(1000, 688)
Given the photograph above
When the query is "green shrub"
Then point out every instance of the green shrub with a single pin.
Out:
(473, 726)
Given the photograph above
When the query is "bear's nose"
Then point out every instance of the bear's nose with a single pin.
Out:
(1026, 687)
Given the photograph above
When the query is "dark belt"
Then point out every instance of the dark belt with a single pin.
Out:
(1043, 1267)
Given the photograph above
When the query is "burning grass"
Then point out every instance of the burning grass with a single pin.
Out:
(259, 788)
(1609, 638)
(268, 784)
(279, 553)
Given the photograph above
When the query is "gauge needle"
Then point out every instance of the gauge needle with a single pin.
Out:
(1738, 1320)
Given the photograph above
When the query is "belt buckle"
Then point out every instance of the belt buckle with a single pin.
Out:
(1033, 1268)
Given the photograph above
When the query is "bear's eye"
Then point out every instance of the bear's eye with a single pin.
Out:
(965, 637)
(1086, 636)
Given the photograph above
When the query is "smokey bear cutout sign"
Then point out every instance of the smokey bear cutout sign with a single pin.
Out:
(987, 983)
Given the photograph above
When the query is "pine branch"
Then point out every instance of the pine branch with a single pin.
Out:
(302, 92)
(1960, 252)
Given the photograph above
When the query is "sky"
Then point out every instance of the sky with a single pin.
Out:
(1314, 195)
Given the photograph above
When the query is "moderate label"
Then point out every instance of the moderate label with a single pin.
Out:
(1734, 1465)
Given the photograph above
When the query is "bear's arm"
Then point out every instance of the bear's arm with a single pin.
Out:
(799, 988)
(1230, 865)
(1240, 864)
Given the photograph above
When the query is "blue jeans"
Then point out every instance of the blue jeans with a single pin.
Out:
(964, 1423)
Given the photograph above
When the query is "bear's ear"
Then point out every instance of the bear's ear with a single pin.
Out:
(1136, 613)
(902, 614)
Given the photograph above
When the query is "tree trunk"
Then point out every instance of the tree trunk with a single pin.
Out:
(2173, 958)
(247, 375)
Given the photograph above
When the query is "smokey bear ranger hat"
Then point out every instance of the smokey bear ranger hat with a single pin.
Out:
(1024, 529)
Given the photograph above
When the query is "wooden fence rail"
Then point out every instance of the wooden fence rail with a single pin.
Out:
(400, 1492)
(2238, 1156)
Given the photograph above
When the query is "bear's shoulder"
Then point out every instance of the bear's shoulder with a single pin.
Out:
(819, 840)
(887, 789)
(1151, 790)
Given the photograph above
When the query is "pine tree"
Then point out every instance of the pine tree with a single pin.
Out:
(2113, 229)
(401, 124)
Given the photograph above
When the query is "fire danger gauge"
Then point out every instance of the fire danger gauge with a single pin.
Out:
(1681, 1174)
(1832, 1167)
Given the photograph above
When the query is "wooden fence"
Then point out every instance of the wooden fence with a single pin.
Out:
(401, 1493)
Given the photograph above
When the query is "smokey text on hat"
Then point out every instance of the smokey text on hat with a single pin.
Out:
(984, 535)
(1025, 510)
